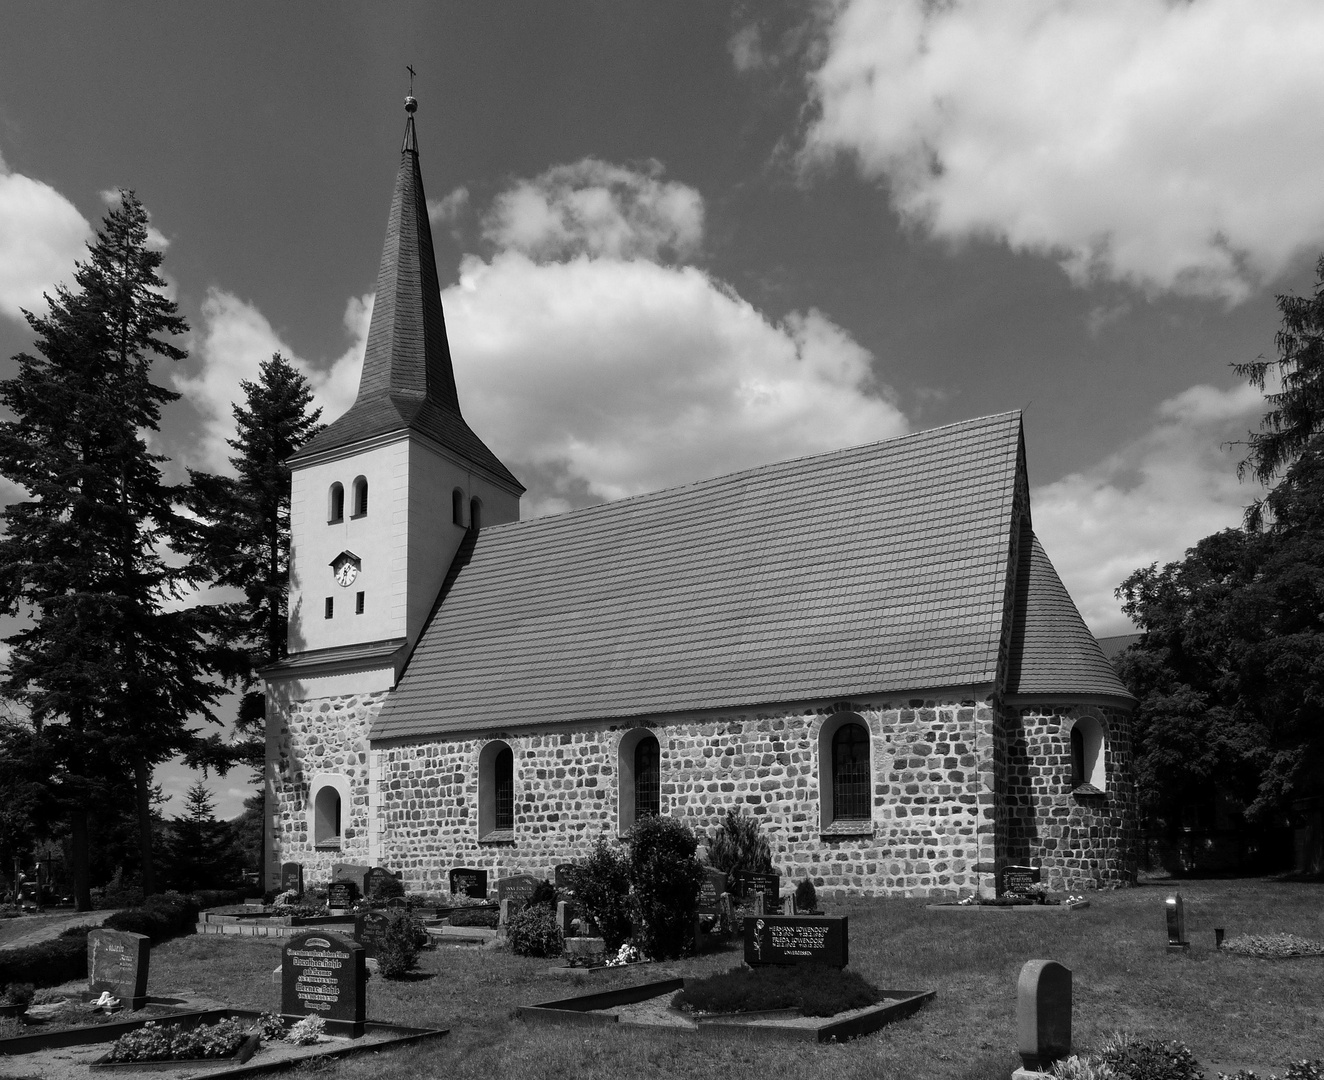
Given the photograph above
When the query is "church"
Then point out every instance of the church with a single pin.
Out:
(867, 650)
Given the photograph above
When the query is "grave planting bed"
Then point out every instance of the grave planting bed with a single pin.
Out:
(78, 1053)
(649, 1005)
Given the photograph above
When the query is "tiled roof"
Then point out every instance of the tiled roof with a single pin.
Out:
(866, 570)
(408, 382)
(1117, 644)
(1052, 650)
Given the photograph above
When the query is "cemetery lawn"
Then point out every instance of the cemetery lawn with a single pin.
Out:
(1226, 1008)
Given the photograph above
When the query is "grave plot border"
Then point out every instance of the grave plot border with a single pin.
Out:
(1033, 909)
(582, 1011)
(15, 1047)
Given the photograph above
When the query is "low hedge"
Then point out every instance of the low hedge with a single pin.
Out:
(487, 917)
(210, 898)
(48, 963)
(161, 917)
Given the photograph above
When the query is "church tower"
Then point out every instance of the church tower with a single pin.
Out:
(381, 501)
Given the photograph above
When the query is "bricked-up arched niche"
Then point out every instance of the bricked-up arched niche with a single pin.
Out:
(475, 514)
(845, 772)
(1087, 754)
(328, 805)
(639, 766)
(360, 503)
(496, 789)
(335, 506)
(457, 508)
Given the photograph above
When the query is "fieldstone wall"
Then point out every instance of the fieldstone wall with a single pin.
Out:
(311, 738)
(1082, 839)
(932, 808)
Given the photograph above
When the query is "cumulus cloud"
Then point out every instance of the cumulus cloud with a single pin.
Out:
(1170, 146)
(448, 208)
(41, 235)
(609, 377)
(1149, 501)
(595, 208)
(234, 340)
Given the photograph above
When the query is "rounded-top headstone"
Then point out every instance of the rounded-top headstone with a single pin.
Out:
(1043, 1013)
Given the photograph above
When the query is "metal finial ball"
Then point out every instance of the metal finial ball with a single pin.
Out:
(411, 104)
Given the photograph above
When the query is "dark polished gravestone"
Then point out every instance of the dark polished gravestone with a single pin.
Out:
(1043, 1013)
(370, 931)
(517, 890)
(1176, 909)
(469, 882)
(711, 888)
(291, 878)
(352, 872)
(749, 884)
(117, 961)
(324, 975)
(1019, 880)
(788, 940)
(563, 878)
(376, 880)
(342, 895)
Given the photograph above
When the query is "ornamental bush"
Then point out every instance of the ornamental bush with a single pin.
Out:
(736, 845)
(398, 953)
(602, 892)
(664, 879)
(806, 896)
(533, 932)
(162, 916)
(1149, 1059)
(47, 963)
(476, 916)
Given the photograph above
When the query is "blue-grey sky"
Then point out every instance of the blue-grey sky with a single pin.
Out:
(680, 239)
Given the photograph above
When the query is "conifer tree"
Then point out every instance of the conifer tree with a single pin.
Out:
(109, 674)
(201, 849)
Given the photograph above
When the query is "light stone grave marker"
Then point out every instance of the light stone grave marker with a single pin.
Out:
(1043, 1014)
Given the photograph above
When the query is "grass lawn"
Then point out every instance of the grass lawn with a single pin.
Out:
(1226, 1008)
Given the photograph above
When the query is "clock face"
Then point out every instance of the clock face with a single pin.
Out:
(346, 572)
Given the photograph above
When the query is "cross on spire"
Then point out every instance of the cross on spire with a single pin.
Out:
(410, 68)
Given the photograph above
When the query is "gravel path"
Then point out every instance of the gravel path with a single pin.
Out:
(32, 929)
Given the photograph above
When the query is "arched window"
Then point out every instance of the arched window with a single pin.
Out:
(328, 798)
(457, 508)
(1088, 757)
(496, 791)
(639, 766)
(845, 774)
(336, 504)
(360, 496)
(475, 514)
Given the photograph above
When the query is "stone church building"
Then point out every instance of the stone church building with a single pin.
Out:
(867, 649)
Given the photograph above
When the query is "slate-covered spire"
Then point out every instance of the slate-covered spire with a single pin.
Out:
(407, 380)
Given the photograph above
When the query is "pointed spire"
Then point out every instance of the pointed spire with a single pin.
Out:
(407, 380)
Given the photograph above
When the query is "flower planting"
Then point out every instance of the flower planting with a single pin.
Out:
(813, 990)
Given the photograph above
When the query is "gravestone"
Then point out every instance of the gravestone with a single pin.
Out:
(1043, 1013)
(324, 975)
(710, 892)
(396, 903)
(117, 961)
(370, 931)
(352, 872)
(1177, 924)
(1019, 880)
(517, 890)
(468, 882)
(565, 914)
(788, 940)
(291, 878)
(342, 895)
(561, 878)
(376, 877)
(750, 883)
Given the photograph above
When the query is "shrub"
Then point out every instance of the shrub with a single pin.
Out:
(543, 893)
(533, 932)
(386, 888)
(602, 888)
(488, 917)
(1149, 1059)
(664, 881)
(806, 896)
(737, 845)
(210, 898)
(307, 1031)
(1081, 1068)
(47, 963)
(162, 916)
(814, 989)
(17, 994)
(153, 1043)
(398, 952)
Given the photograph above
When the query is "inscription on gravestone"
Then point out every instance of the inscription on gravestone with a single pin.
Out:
(377, 878)
(324, 975)
(117, 961)
(1043, 1013)
(787, 940)
(1018, 880)
(342, 895)
(710, 892)
(291, 878)
(517, 890)
(352, 872)
(561, 877)
(370, 931)
(468, 882)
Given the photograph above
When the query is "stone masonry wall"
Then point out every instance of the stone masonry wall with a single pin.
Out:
(1081, 839)
(311, 738)
(932, 807)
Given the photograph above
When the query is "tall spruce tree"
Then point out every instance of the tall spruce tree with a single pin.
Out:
(110, 676)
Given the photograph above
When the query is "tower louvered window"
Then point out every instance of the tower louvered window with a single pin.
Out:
(850, 773)
(503, 774)
(647, 779)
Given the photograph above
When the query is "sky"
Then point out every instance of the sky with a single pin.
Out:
(676, 240)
